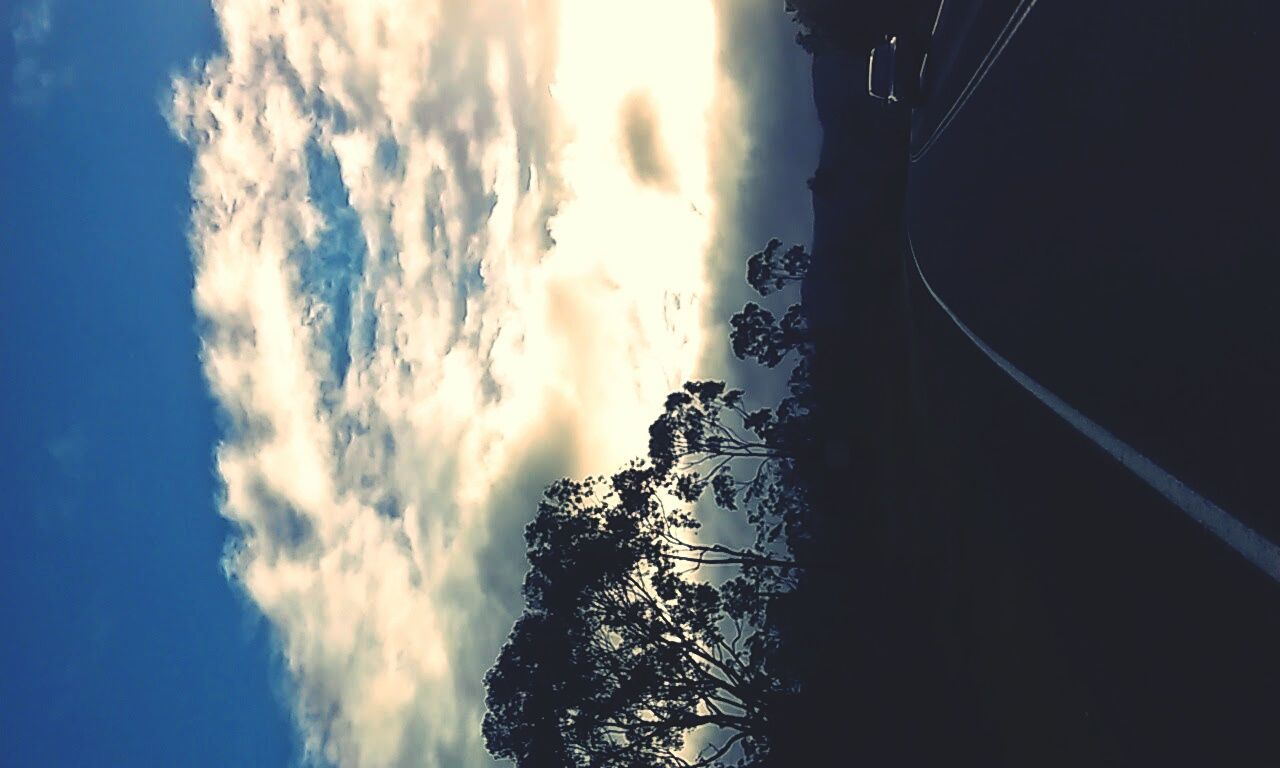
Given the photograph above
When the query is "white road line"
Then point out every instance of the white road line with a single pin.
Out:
(1235, 534)
(993, 53)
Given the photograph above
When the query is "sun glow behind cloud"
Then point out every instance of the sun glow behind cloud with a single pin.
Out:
(430, 281)
(619, 233)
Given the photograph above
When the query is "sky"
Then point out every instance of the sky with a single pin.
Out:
(304, 302)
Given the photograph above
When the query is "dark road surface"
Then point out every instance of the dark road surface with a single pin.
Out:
(1099, 207)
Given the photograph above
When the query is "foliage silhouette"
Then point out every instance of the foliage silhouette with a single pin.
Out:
(758, 336)
(852, 24)
(626, 647)
(769, 271)
(642, 643)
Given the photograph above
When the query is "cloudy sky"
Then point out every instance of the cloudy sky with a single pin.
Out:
(305, 302)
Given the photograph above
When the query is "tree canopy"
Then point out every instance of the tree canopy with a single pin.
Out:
(643, 643)
(769, 270)
(628, 645)
(757, 335)
(854, 24)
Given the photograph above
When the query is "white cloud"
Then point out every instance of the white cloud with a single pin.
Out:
(32, 23)
(33, 79)
(430, 284)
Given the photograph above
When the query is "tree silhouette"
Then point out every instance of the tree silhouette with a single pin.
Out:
(771, 270)
(695, 433)
(624, 650)
(532, 675)
(642, 643)
(854, 24)
(758, 336)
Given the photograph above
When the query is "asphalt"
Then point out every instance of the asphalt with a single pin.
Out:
(1098, 208)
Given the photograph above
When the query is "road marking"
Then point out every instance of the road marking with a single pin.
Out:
(993, 53)
(1235, 534)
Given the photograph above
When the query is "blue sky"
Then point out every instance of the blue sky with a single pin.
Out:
(386, 420)
(124, 644)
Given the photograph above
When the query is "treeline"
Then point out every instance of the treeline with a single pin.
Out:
(642, 642)
(858, 24)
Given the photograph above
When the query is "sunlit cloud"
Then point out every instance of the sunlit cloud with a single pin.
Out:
(432, 278)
